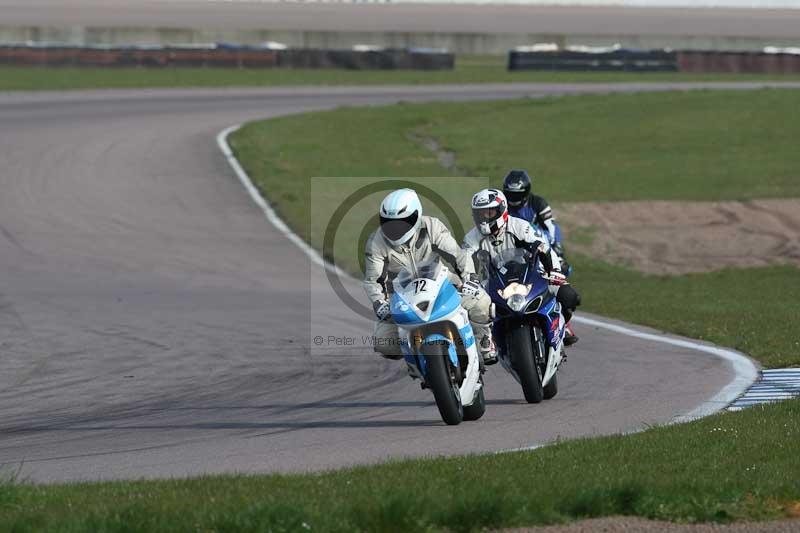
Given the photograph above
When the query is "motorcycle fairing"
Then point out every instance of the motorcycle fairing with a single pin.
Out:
(445, 302)
(421, 303)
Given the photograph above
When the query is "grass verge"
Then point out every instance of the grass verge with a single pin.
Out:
(726, 467)
(755, 311)
(469, 69)
(701, 145)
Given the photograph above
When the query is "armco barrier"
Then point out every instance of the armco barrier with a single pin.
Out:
(655, 61)
(225, 56)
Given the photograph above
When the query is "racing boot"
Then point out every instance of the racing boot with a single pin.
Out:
(488, 350)
(569, 336)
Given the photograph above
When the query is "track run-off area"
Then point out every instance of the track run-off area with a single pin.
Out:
(154, 324)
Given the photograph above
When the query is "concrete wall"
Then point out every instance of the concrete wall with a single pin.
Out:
(460, 43)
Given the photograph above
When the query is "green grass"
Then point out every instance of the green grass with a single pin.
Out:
(702, 145)
(469, 69)
(755, 311)
(719, 469)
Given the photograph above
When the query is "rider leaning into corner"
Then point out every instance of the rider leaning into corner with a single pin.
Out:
(535, 209)
(407, 238)
(496, 231)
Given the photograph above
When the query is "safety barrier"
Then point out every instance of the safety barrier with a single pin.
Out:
(772, 62)
(548, 57)
(614, 59)
(224, 55)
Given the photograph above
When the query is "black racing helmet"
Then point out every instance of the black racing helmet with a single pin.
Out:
(516, 187)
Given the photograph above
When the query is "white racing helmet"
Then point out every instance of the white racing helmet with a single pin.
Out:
(401, 216)
(490, 211)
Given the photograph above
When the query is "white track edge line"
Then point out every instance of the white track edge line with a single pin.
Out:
(743, 367)
(269, 212)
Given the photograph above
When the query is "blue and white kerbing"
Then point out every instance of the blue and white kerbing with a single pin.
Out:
(773, 386)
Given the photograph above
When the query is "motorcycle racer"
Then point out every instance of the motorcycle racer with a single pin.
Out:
(404, 239)
(531, 207)
(523, 204)
(536, 210)
(496, 231)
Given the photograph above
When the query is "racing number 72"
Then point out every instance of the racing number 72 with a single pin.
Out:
(419, 285)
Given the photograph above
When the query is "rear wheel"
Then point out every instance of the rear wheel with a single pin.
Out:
(522, 357)
(440, 380)
(478, 407)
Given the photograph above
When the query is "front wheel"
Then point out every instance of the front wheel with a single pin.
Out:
(551, 389)
(440, 381)
(478, 407)
(530, 374)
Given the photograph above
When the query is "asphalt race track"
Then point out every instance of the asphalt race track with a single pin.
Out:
(153, 323)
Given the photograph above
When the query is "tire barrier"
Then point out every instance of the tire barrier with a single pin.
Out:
(611, 60)
(224, 55)
(770, 61)
(375, 59)
(777, 62)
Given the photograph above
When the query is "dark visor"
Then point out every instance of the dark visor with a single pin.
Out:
(515, 198)
(394, 228)
(484, 215)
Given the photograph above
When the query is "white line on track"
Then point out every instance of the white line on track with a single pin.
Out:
(743, 367)
(269, 212)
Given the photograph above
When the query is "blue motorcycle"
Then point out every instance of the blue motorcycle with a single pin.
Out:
(437, 340)
(528, 326)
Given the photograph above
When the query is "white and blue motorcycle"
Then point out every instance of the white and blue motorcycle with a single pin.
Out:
(437, 340)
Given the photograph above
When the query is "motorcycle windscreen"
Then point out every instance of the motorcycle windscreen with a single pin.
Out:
(429, 270)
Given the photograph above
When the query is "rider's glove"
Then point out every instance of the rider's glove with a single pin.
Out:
(471, 288)
(539, 250)
(557, 278)
(382, 309)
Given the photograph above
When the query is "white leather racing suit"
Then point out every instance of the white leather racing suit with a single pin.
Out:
(516, 233)
(384, 261)
(519, 233)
